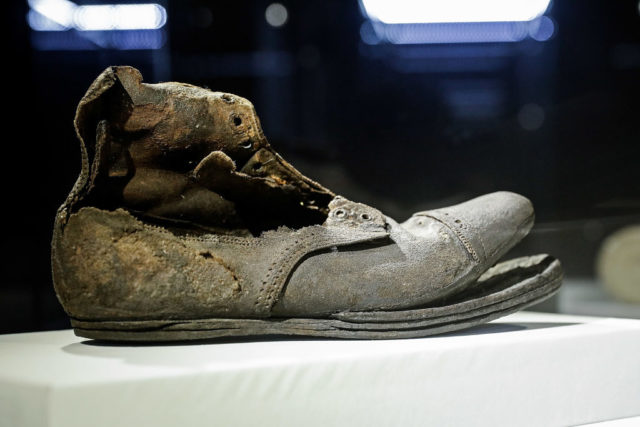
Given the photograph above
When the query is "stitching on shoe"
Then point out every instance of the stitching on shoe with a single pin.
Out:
(310, 239)
(306, 241)
(465, 227)
(456, 230)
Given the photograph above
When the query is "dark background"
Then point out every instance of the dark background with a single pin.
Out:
(402, 128)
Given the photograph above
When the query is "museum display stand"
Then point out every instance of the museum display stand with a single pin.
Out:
(527, 369)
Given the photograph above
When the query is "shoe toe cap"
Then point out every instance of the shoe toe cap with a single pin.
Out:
(488, 225)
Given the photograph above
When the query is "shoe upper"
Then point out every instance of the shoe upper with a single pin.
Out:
(183, 210)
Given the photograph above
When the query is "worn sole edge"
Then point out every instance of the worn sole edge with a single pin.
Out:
(411, 323)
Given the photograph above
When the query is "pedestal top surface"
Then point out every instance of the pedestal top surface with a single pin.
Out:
(523, 369)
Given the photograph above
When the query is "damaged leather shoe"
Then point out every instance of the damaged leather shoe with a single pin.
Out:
(185, 224)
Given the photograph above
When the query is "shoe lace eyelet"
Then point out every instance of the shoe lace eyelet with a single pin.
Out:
(339, 213)
(365, 217)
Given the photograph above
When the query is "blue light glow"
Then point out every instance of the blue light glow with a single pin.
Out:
(481, 32)
(39, 22)
(449, 11)
(93, 40)
(62, 15)
(64, 25)
(455, 21)
(59, 13)
(542, 29)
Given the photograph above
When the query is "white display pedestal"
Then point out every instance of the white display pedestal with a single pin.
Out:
(526, 369)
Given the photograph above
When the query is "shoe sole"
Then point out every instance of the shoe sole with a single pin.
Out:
(505, 288)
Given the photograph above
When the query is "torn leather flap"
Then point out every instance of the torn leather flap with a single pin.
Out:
(92, 110)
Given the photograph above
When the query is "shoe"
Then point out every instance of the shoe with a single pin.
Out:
(185, 224)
